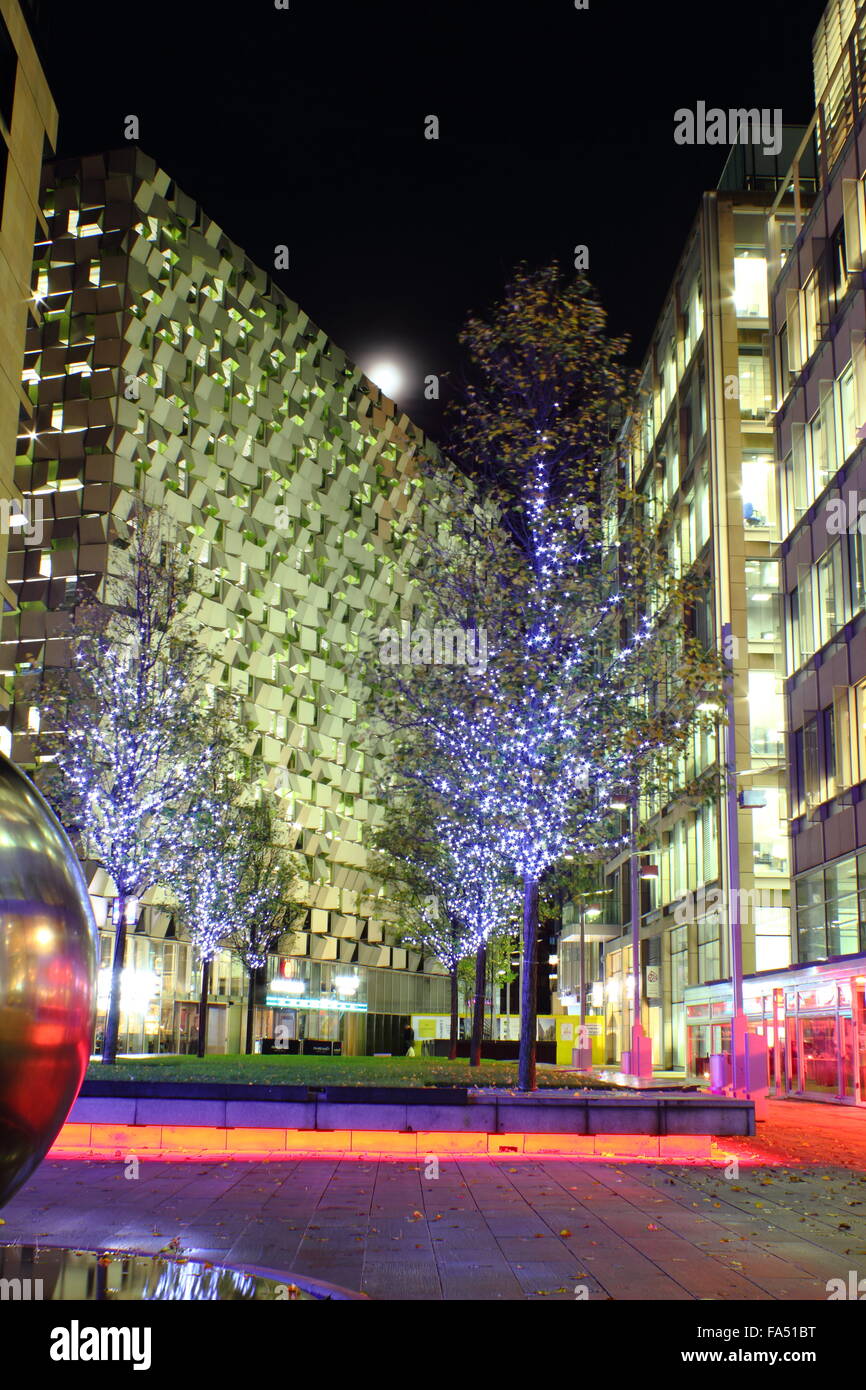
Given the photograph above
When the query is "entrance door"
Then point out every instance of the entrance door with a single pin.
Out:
(847, 1058)
(860, 1005)
(793, 1053)
(818, 1049)
(216, 1029)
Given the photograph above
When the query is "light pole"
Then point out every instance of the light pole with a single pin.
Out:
(739, 1080)
(641, 1054)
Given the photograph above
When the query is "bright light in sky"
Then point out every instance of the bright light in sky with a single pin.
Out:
(387, 376)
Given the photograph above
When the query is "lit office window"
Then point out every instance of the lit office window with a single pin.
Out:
(693, 318)
(769, 835)
(772, 937)
(763, 603)
(759, 491)
(766, 715)
(755, 397)
(750, 285)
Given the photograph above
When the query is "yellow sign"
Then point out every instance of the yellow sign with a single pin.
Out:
(567, 1038)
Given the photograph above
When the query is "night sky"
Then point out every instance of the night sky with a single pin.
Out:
(306, 127)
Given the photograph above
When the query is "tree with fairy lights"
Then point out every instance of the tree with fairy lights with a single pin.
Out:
(408, 862)
(131, 727)
(589, 680)
(459, 889)
(265, 903)
(207, 880)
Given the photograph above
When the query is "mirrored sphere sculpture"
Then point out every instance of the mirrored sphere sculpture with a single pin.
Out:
(48, 961)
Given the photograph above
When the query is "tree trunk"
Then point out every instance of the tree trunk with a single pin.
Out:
(528, 986)
(112, 1020)
(478, 1008)
(452, 1050)
(202, 1006)
(251, 1001)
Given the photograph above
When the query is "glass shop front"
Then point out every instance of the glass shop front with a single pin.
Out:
(814, 1020)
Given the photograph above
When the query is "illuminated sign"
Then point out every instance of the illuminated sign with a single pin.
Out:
(283, 1001)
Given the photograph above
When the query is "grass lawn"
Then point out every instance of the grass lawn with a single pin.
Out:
(334, 1071)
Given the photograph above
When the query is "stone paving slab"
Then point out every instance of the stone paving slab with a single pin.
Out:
(491, 1229)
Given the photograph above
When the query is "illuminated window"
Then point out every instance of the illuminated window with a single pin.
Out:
(766, 716)
(750, 285)
(759, 492)
(754, 378)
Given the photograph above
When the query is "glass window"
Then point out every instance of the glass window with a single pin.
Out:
(842, 915)
(857, 566)
(812, 311)
(860, 715)
(766, 716)
(755, 399)
(821, 432)
(693, 318)
(709, 950)
(679, 963)
(819, 1060)
(769, 835)
(702, 510)
(811, 763)
(772, 938)
(846, 415)
(811, 936)
(763, 603)
(750, 284)
(759, 491)
(845, 753)
(802, 621)
(831, 594)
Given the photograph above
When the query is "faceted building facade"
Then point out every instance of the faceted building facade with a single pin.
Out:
(166, 367)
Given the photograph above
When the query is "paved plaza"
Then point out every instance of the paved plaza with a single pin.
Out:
(791, 1218)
